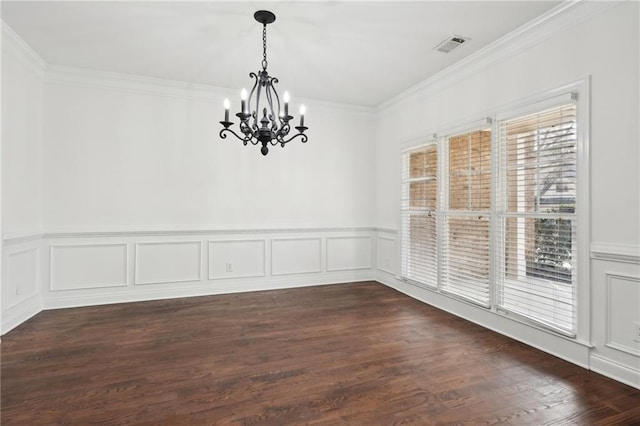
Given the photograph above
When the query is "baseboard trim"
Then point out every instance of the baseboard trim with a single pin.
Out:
(210, 288)
(615, 371)
(20, 313)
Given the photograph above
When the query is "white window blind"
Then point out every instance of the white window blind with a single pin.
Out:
(419, 218)
(466, 222)
(536, 250)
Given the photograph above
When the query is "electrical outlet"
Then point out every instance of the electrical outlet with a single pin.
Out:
(229, 267)
(636, 331)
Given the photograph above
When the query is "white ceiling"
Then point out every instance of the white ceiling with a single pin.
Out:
(360, 53)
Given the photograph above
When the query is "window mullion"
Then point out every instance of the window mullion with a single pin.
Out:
(443, 203)
(494, 227)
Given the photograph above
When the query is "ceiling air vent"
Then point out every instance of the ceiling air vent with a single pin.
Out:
(451, 43)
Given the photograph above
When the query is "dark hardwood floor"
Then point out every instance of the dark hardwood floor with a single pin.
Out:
(355, 354)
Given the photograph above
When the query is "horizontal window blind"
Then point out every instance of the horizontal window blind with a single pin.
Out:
(465, 248)
(419, 219)
(537, 203)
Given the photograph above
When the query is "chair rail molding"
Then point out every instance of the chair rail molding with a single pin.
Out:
(615, 252)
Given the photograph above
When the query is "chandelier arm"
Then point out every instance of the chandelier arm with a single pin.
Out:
(283, 131)
(246, 130)
(275, 117)
(248, 138)
(277, 140)
(224, 136)
(256, 112)
(268, 94)
(303, 140)
(253, 89)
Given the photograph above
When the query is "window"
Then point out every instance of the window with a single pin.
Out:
(465, 246)
(419, 204)
(536, 277)
(493, 220)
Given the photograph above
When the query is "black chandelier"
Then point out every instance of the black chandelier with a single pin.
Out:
(273, 128)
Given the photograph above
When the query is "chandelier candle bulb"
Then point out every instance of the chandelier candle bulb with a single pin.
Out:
(286, 103)
(302, 111)
(226, 109)
(243, 101)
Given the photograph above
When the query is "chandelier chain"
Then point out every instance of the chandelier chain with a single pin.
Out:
(264, 47)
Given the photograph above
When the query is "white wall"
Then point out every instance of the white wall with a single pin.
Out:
(22, 187)
(141, 154)
(22, 108)
(605, 47)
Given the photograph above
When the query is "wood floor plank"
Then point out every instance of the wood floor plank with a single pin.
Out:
(359, 353)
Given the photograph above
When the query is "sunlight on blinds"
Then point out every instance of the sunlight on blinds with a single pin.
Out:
(419, 204)
(466, 244)
(537, 240)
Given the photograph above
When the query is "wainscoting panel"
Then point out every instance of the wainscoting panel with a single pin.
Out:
(161, 262)
(348, 253)
(84, 266)
(296, 255)
(386, 260)
(623, 313)
(237, 259)
(22, 271)
(615, 276)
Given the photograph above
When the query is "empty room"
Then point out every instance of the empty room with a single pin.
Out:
(323, 213)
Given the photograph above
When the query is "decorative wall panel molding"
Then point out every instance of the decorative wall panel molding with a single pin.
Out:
(348, 253)
(21, 276)
(386, 260)
(85, 266)
(622, 312)
(237, 259)
(300, 255)
(159, 262)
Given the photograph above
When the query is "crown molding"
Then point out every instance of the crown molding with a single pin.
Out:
(80, 77)
(563, 16)
(138, 84)
(11, 40)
